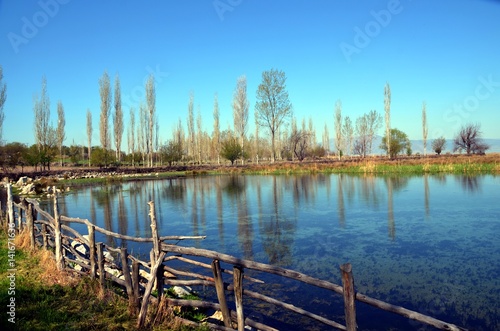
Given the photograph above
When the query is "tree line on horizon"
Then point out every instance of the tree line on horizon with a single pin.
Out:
(286, 139)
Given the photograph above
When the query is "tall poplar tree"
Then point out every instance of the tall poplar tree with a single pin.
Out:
(240, 111)
(104, 134)
(61, 122)
(118, 120)
(387, 108)
(216, 134)
(424, 126)
(89, 134)
(338, 128)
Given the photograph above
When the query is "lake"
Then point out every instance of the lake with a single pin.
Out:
(428, 243)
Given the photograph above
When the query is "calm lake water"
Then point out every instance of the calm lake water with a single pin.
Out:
(428, 243)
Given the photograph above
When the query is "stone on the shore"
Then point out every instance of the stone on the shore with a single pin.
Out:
(28, 189)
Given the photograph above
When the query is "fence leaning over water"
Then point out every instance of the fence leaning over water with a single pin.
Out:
(82, 254)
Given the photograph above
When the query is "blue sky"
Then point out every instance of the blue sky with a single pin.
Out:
(445, 53)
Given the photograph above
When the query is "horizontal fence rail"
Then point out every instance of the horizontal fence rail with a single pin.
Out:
(82, 254)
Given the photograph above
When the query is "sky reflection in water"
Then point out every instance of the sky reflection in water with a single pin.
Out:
(429, 243)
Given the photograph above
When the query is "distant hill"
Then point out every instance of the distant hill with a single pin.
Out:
(417, 146)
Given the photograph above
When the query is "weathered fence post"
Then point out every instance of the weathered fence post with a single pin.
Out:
(30, 221)
(92, 253)
(147, 292)
(100, 263)
(10, 205)
(44, 236)
(238, 296)
(57, 233)
(219, 287)
(156, 248)
(135, 283)
(349, 305)
(20, 219)
(128, 280)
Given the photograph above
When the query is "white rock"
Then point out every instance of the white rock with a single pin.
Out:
(114, 272)
(80, 247)
(107, 256)
(180, 291)
(22, 181)
(28, 189)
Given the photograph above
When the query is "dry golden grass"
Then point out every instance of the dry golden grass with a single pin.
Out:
(45, 260)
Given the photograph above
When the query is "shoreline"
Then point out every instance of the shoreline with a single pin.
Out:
(64, 177)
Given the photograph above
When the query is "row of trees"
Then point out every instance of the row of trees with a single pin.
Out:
(273, 113)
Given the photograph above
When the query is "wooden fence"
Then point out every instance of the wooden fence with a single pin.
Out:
(95, 262)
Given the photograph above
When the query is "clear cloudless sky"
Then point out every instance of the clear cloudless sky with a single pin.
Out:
(446, 53)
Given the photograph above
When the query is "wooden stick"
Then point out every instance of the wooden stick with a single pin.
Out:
(57, 234)
(92, 252)
(44, 236)
(29, 222)
(156, 248)
(145, 299)
(100, 263)
(10, 205)
(135, 283)
(128, 280)
(238, 296)
(349, 304)
(219, 287)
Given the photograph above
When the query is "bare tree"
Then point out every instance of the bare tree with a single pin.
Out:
(424, 126)
(469, 139)
(105, 94)
(387, 108)
(299, 141)
(438, 145)
(3, 98)
(44, 134)
(61, 122)
(240, 111)
(362, 133)
(131, 136)
(348, 133)
(257, 145)
(89, 134)
(326, 139)
(216, 134)
(273, 105)
(374, 121)
(142, 133)
(190, 126)
(42, 114)
(118, 119)
(312, 134)
(179, 138)
(366, 127)
(151, 104)
(338, 127)
(199, 135)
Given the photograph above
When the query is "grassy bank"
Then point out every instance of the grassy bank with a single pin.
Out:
(47, 299)
(382, 166)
